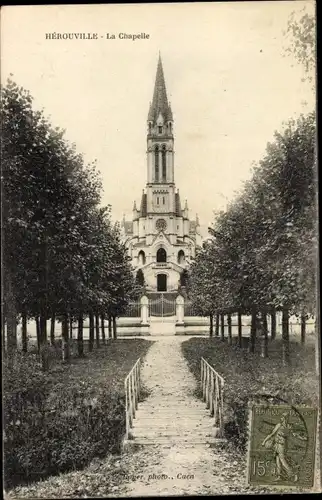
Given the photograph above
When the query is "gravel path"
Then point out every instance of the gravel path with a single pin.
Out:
(178, 469)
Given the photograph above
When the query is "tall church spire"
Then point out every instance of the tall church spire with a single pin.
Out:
(160, 102)
(160, 141)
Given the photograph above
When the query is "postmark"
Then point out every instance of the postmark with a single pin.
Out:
(281, 448)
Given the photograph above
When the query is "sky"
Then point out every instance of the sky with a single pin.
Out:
(228, 80)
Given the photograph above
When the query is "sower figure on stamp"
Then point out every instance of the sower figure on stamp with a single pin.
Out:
(277, 440)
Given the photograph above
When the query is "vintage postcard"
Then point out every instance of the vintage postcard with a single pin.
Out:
(159, 228)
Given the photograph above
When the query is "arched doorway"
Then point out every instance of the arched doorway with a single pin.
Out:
(141, 257)
(161, 255)
(162, 282)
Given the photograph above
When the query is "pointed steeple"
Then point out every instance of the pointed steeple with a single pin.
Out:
(160, 102)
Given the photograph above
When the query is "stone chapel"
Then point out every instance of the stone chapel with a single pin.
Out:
(161, 239)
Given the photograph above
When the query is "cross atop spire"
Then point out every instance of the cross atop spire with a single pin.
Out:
(160, 102)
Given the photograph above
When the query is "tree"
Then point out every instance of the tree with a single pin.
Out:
(62, 257)
(262, 253)
(121, 282)
(48, 193)
(139, 278)
(184, 278)
(301, 32)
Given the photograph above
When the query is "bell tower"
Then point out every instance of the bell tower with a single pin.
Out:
(160, 141)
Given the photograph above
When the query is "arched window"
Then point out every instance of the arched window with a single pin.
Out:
(164, 163)
(181, 257)
(150, 127)
(161, 255)
(141, 257)
(156, 163)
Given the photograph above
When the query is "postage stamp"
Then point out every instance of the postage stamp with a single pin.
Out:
(282, 445)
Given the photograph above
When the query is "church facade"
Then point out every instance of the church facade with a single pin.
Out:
(161, 239)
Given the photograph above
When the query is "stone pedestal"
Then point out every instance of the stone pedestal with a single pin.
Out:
(180, 310)
(180, 330)
(145, 326)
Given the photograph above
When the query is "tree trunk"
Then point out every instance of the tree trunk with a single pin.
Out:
(222, 326)
(71, 327)
(317, 333)
(3, 330)
(52, 328)
(11, 329)
(43, 347)
(217, 326)
(97, 330)
(24, 333)
(211, 325)
(110, 327)
(103, 328)
(80, 336)
(38, 333)
(264, 336)
(265, 324)
(114, 328)
(252, 337)
(273, 325)
(240, 329)
(11, 319)
(91, 332)
(43, 328)
(285, 337)
(230, 338)
(303, 328)
(3, 316)
(65, 339)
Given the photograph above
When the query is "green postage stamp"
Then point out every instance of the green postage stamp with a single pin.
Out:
(282, 445)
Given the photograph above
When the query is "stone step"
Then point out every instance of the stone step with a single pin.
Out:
(177, 396)
(173, 425)
(180, 416)
(182, 428)
(166, 413)
(169, 388)
(177, 441)
(173, 417)
(156, 398)
(172, 400)
(172, 406)
(164, 402)
(171, 429)
(172, 434)
(160, 400)
(147, 422)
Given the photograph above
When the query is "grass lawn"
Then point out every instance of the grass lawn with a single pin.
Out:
(60, 420)
(106, 367)
(248, 375)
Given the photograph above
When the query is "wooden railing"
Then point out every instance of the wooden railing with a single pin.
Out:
(132, 386)
(213, 392)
